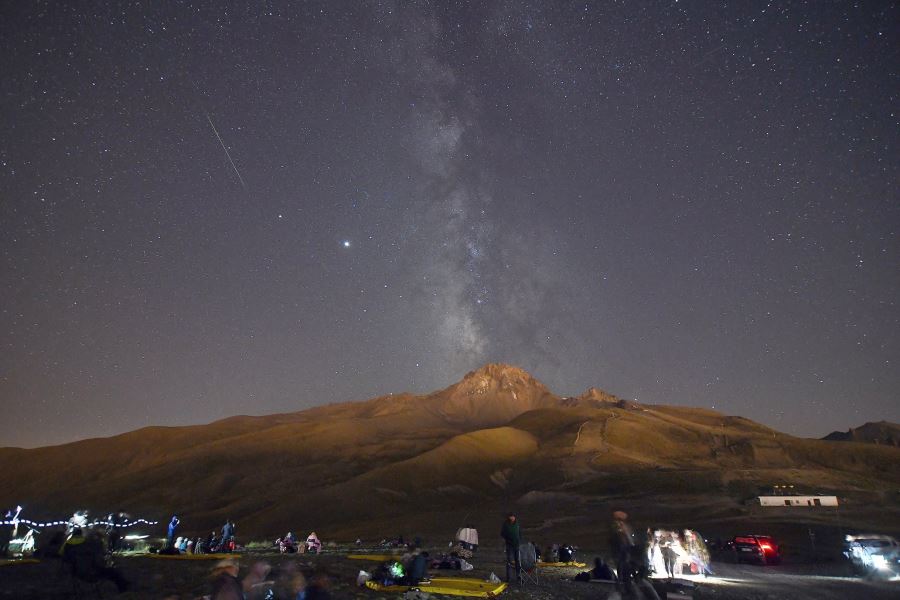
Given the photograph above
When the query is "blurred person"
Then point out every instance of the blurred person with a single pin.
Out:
(622, 543)
(225, 584)
(256, 584)
(114, 530)
(317, 589)
(86, 557)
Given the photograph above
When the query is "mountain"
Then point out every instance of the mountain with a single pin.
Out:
(881, 432)
(465, 454)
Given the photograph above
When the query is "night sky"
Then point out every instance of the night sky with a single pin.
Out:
(217, 210)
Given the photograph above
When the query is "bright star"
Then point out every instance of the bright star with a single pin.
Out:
(345, 243)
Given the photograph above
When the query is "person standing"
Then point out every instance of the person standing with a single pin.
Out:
(115, 522)
(622, 542)
(6, 531)
(510, 534)
(667, 548)
(228, 535)
(173, 526)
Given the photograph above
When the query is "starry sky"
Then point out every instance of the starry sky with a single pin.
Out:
(211, 209)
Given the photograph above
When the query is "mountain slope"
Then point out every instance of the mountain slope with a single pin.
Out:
(881, 432)
(496, 438)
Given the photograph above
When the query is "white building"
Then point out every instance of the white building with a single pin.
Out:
(798, 500)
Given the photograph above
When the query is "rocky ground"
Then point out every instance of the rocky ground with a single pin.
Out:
(189, 580)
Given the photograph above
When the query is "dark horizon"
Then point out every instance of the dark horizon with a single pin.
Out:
(219, 210)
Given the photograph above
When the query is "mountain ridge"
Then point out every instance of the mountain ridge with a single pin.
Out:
(497, 437)
(878, 432)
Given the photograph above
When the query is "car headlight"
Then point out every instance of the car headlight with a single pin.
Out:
(879, 561)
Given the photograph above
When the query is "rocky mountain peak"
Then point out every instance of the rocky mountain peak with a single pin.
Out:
(597, 395)
(496, 376)
(493, 394)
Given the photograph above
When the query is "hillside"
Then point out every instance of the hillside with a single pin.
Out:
(498, 438)
(881, 432)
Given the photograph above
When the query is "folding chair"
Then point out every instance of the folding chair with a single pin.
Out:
(528, 564)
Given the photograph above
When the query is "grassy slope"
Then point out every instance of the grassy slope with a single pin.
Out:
(367, 465)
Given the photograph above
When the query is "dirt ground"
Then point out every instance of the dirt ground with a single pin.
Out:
(189, 580)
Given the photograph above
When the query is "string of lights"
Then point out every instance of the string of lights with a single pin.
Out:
(91, 524)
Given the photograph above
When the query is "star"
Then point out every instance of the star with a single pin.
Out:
(345, 243)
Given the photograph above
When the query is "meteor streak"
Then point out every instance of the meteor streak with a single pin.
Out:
(228, 154)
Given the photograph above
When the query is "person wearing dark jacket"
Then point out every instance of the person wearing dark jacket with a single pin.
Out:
(510, 534)
(228, 535)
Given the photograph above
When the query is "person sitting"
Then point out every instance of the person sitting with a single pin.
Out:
(313, 544)
(602, 571)
(287, 544)
(212, 544)
(415, 568)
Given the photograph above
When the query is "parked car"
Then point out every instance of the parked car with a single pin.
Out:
(873, 554)
(760, 549)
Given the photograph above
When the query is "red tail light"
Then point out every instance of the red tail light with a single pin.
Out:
(765, 547)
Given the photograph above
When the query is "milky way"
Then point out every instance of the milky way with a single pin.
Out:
(209, 210)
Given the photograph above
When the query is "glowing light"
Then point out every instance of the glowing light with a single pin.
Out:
(345, 243)
(79, 519)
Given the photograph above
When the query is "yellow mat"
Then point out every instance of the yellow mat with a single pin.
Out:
(188, 556)
(8, 562)
(579, 565)
(451, 586)
(375, 557)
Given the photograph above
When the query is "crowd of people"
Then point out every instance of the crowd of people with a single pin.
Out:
(659, 553)
(262, 583)
(634, 556)
(211, 544)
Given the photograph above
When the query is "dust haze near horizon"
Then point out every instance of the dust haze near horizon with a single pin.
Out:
(210, 211)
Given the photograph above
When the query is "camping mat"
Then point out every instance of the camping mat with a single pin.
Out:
(8, 562)
(188, 556)
(451, 586)
(375, 557)
(579, 565)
